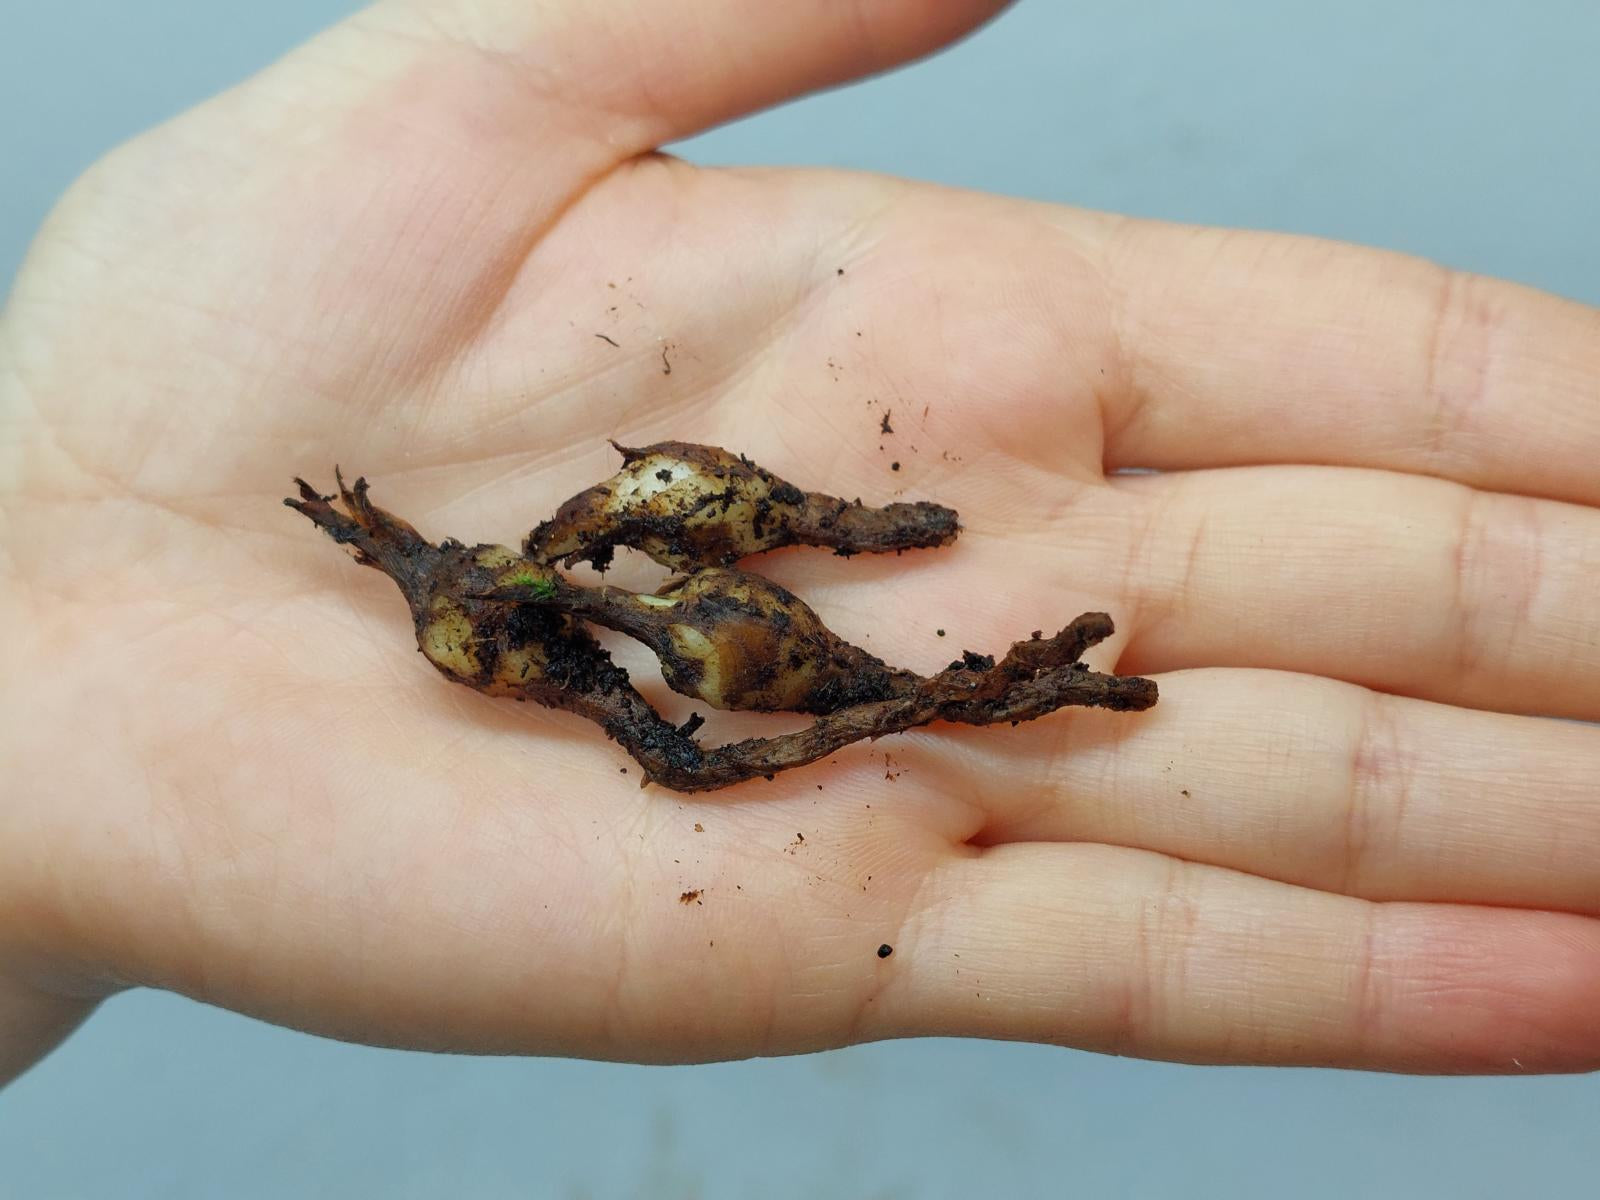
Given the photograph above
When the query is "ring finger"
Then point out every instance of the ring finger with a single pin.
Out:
(1310, 782)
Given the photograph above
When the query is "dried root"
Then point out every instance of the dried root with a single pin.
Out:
(690, 506)
(728, 638)
(511, 625)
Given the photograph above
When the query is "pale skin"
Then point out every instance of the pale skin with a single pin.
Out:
(1364, 577)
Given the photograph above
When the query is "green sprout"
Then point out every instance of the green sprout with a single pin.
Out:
(543, 587)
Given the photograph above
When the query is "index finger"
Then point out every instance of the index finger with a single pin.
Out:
(1250, 348)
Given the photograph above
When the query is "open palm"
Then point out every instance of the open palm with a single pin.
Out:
(436, 247)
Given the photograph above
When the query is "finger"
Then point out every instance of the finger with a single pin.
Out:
(1310, 782)
(1257, 348)
(1135, 953)
(660, 71)
(1396, 582)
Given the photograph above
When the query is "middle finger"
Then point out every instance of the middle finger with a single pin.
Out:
(1401, 583)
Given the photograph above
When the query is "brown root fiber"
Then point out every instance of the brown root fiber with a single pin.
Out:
(511, 625)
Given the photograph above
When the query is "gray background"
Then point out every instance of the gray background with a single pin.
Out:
(1464, 130)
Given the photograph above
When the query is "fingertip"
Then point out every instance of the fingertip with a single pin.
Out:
(1485, 991)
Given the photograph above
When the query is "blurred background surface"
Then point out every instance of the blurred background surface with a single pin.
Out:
(1465, 131)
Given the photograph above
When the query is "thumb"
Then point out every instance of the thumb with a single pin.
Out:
(658, 70)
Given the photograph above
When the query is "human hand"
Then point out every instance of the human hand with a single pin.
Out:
(1340, 838)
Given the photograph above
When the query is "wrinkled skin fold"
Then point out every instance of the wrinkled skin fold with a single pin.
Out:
(509, 624)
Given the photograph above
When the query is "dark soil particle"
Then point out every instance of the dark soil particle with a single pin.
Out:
(691, 897)
(972, 662)
(884, 425)
(885, 950)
